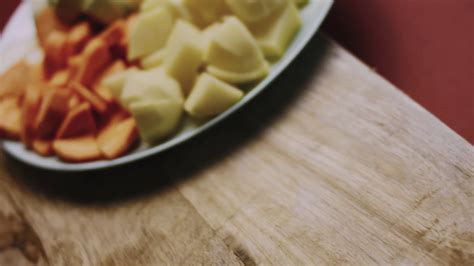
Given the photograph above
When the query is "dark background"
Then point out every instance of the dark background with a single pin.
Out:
(424, 47)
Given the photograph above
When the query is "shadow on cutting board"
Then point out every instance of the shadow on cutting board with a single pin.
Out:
(165, 170)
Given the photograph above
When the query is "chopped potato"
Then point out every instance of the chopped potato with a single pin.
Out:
(211, 96)
(233, 54)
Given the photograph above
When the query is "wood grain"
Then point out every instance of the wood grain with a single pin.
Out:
(331, 165)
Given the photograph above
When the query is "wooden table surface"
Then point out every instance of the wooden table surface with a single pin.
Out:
(330, 165)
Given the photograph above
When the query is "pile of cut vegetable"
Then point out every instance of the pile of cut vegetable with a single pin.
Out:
(115, 73)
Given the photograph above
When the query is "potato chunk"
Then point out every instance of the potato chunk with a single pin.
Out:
(156, 119)
(233, 54)
(149, 32)
(211, 96)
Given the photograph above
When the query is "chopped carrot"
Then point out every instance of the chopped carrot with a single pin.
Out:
(54, 48)
(43, 147)
(51, 113)
(116, 66)
(74, 101)
(94, 59)
(89, 96)
(77, 150)
(60, 78)
(77, 38)
(114, 33)
(14, 80)
(105, 93)
(29, 110)
(78, 122)
(46, 22)
(74, 64)
(117, 138)
(10, 117)
(37, 74)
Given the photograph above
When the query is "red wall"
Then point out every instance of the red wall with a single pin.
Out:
(424, 47)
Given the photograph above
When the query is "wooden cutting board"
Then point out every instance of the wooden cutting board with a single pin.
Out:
(331, 165)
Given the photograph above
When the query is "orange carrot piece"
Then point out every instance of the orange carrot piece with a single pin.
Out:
(78, 122)
(14, 80)
(46, 22)
(10, 117)
(74, 101)
(117, 138)
(29, 110)
(77, 150)
(60, 78)
(77, 38)
(51, 113)
(54, 48)
(89, 96)
(94, 59)
(114, 33)
(43, 147)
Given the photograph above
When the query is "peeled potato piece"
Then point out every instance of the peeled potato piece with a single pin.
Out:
(211, 96)
(254, 10)
(205, 12)
(233, 54)
(156, 119)
(150, 85)
(276, 32)
(117, 138)
(184, 54)
(117, 67)
(116, 81)
(153, 60)
(77, 150)
(149, 32)
(148, 5)
(300, 3)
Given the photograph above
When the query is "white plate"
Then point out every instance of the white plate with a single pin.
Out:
(17, 43)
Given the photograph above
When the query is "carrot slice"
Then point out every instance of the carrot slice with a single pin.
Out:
(29, 109)
(60, 78)
(13, 81)
(117, 138)
(96, 101)
(55, 57)
(43, 147)
(114, 33)
(81, 149)
(78, 122)
(46, 22)
(74, 101)
(10, 117)
(77, 38)
(94, 59)
(53, 108)
(74, 64)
